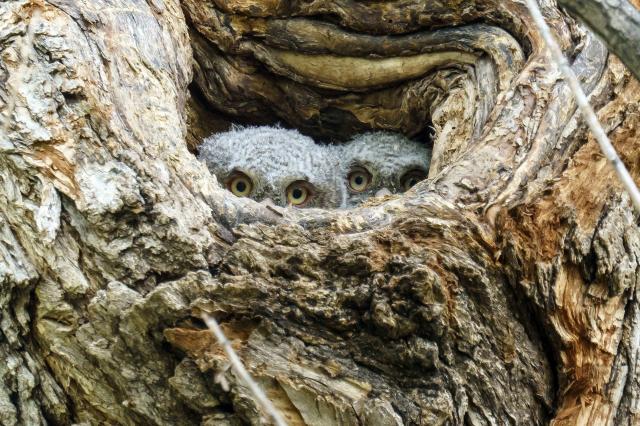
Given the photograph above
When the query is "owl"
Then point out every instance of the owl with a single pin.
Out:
(380, 163)
(276, 164)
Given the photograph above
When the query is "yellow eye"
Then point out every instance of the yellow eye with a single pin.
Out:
(240, 184)
(359, 179)
(410, 179)
(299, 193)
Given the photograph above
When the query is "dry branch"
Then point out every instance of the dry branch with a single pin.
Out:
(617, 22)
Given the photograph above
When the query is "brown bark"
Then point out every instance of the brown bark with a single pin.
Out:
(617, 22)
(500, 291)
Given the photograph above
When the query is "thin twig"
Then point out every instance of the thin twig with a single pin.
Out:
(583, 103)
(238, 368)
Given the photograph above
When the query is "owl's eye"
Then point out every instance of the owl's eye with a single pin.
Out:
(240, 184)
(299, 193)
(359, 179)
(411, 178)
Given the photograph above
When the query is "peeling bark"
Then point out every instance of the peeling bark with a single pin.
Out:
(502, 290)
(617, 22)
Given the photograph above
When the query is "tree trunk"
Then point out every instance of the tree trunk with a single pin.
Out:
(503, 290)
(618, 23)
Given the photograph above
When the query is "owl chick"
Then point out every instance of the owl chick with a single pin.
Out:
(276, 164)
(379, 163)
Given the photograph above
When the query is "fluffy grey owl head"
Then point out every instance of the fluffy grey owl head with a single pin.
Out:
(277, 164)
(379, 163)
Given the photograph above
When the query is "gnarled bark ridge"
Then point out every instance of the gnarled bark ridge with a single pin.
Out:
(500, 291)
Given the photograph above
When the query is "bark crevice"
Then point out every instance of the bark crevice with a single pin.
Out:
(469, 300)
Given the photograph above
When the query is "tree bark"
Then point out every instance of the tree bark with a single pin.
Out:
(618, 23)
(502, 290)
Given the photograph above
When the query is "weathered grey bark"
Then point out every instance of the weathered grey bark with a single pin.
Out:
(617, 22)
(503, 290)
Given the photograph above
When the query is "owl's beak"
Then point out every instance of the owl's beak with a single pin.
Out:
(268, 202)
(382, 192)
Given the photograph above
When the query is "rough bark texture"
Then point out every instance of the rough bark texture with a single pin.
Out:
(617, 22)
(503, 290)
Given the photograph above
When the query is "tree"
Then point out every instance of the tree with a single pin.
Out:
(617, 23)
(501, 290)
